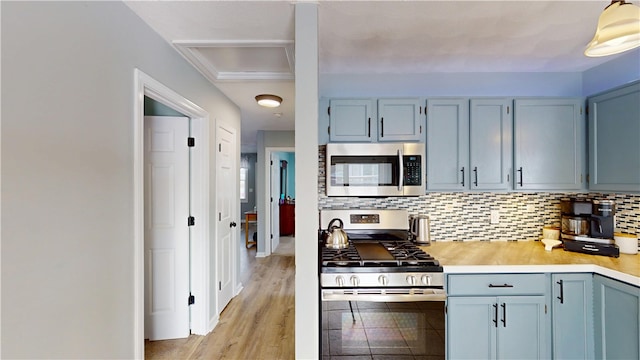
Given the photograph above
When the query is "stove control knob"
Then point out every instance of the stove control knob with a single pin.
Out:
(355, 281)
(339, 280)
(411, 280)
(383, 280)
(426, 279)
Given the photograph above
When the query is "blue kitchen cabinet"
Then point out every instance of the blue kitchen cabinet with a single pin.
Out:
(572, 316)
(616, 318)
(469, 144)
(399, 120)
(614, 148)
(490, 144)
(359, 120)
(548, 144)
(352, 120)
(497, 316)
(447, 144)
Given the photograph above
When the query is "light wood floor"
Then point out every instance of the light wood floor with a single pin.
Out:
(257, 324)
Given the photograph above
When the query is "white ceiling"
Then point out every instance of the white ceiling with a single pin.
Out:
(246, 47)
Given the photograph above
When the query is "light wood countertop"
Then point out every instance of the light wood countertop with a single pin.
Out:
(529, 256)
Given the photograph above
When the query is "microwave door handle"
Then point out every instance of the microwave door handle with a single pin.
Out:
(401, 172)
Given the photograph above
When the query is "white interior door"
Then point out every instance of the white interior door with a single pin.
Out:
(166, 208)
(227, 179)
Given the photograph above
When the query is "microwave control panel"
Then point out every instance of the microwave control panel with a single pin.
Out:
(412, 170)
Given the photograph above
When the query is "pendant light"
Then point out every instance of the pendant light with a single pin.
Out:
(268, 100)
(618, 30)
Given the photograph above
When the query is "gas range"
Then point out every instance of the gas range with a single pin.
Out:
(379, 255)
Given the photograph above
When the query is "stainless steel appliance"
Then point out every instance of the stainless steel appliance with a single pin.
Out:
(383, 295)
(390, 169)
(420, 230)
(587, 226)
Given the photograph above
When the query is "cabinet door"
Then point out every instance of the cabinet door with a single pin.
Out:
(547, 144)
(572, 308)
(617, 319)
(522, 329)
(399, 120)
(447, 144)
(614, 148)
(471, 327)
(491, 126)
(350, 120)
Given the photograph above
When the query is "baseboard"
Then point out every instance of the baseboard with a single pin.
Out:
(239, 288)
(261, 254)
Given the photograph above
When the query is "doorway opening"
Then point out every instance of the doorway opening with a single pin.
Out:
(144, 85)
(280, 195)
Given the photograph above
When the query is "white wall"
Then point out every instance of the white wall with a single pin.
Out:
(67, 172)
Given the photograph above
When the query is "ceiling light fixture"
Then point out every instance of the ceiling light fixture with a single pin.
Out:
(618, 30)
(268, 100)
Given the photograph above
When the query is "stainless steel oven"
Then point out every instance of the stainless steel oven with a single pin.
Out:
(382, 296)
(389, 169)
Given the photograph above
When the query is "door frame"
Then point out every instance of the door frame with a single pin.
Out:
(144, 85)
(268, 151)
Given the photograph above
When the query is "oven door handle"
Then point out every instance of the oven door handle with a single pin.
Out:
(384, 296)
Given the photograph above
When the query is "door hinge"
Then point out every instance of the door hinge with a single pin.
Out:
(329, 110)
(272, 236)
(191, 141)
(420, 109)
(420, 129)
(271, 163)
(219, 216)
(220, 285)
(192, 299)
(507, 109)
(586, 110)
(191, 221)
(219, 147)
(329, 130)
(545, 308)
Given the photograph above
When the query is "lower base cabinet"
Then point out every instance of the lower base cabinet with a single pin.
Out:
(572, 316)
(616, 318)
(507, 326)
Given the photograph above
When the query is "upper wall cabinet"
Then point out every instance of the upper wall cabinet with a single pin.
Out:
(350, 120)
(614, 140)
(447, 144)
(490, 144)
(354, 120)
(469, 144)
(548, 144)
(399, 120)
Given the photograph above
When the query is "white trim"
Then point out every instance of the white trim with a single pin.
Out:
(144, 85)
(189, 50)
(267, 196)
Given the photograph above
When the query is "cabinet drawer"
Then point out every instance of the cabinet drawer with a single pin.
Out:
(496, 284)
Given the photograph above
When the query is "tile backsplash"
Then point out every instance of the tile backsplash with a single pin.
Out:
(464, 216)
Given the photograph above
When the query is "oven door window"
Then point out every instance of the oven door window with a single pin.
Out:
(364, 171)
(397, 329)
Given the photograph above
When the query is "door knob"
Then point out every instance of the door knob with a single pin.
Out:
(232, 224)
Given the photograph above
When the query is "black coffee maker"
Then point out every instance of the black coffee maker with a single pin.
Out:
(602, 223)
(587, 226)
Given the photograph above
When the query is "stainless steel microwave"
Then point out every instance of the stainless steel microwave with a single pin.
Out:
(388, 169)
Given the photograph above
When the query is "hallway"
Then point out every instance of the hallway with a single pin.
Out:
(257, 324)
